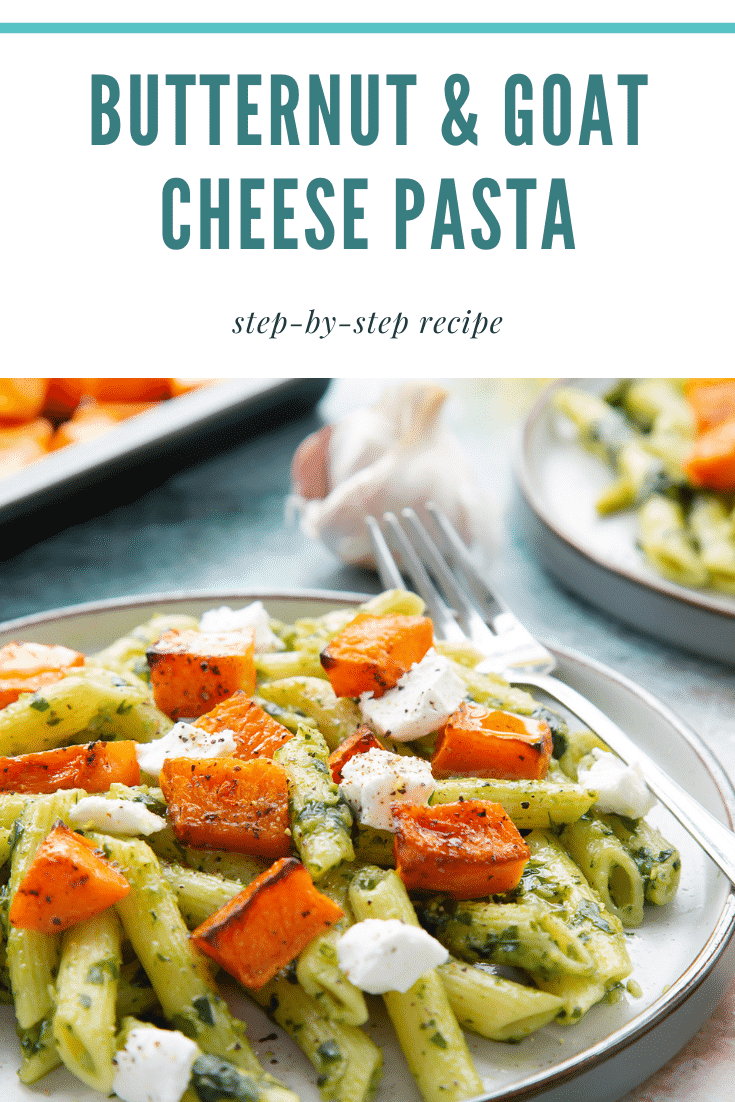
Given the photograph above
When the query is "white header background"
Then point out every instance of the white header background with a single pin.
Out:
(88, 281)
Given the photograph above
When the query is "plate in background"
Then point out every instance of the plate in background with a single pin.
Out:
(596, 557)
(680, 954)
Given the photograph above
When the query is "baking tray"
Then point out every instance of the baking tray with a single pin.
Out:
(88, 478)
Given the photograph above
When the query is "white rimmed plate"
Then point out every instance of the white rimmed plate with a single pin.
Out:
(681, 954)
(597, 557)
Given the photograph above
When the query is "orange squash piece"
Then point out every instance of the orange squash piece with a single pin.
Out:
(65, 395)
(39, 430)
(359, 742)
(192, 671)
(373, 652)
(713, 401)
(68, 881)
(265, 926)
(468, 850)
(711, 463)
(22, 399)
(226, 803)
(113, 389)
(478, 742)
(257, 734)
(699, 381)
(93, 767)
(177, 387)
(23, 444)
(26, 667)
(92, 419)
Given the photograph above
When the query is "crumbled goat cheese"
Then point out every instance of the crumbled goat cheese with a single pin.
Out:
(184, 740)
(420, 703)
(373, 781)
(116, 816)
(154, 1066)
(252, 616)
(622, 789)
(380, 955)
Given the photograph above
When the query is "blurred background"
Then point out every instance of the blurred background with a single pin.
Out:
(211, 511)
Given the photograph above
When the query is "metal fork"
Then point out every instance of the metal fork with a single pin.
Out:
(513, 652)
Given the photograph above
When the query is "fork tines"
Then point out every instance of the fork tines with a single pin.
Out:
(492, 628)
(430, 570)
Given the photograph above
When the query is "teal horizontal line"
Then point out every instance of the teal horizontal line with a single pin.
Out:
(367, 28)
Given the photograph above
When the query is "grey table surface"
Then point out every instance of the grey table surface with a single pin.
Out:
(220, 526)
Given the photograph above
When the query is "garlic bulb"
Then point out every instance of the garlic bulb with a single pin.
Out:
(390, 455)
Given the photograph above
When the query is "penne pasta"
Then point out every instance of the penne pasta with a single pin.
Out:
(32, 957)
(78, 994)
(347, 1062)
(712, 529)
(530, 804)
(335, 717)
(667, 543)
(92, 703)
(85, 1018)
(607, 866)
(584, 913)
(495, 1007)
(321, 820)
(425, 1025)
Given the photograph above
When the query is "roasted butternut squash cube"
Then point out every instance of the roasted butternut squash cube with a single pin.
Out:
(23, 444)
(69, 880)
(468, 850)
(192, 671)
(26, 667)
(22, 399)
(483, 742)
(257, 734)
(92, 419)
(267, 925)
(93, 766)
(359, 742)
(710, 464)
(226, 803)
(713, 401)
(373, 652)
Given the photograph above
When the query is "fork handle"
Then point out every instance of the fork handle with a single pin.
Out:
(714, 838)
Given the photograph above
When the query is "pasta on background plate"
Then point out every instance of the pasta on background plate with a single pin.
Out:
(671, 444)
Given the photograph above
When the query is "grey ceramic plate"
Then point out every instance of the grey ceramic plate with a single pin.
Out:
(597, 557)
(680, 954)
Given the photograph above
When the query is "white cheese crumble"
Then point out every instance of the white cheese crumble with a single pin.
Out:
(115, 816)
(420, 703)
(380, 955)
(373, 781)
(252, 616)
(184, 740)
(622, 788)
(154, 1066)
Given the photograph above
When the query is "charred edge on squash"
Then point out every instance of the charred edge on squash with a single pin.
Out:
(290, 865)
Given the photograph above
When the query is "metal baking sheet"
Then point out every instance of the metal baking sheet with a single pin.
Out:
(218, 414)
